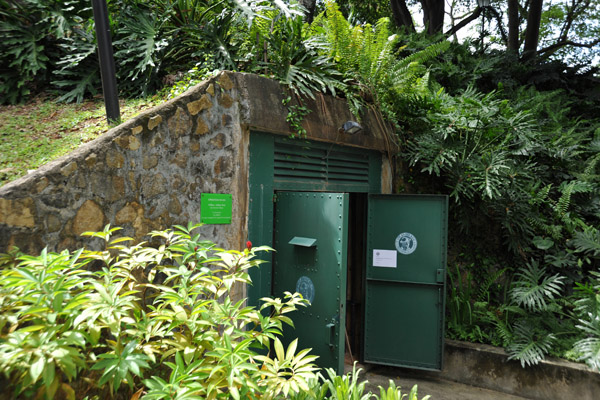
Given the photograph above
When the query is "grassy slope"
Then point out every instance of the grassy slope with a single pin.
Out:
(42, 130)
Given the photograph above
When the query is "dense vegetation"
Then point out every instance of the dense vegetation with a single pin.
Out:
(159, 321)
(512, 137)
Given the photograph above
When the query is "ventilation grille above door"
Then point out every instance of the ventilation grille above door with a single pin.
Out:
(298, 163)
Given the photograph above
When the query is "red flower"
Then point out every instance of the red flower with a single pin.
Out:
(248, 245)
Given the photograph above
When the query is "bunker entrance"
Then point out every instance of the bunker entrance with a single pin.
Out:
(372, 269)
(371, 265)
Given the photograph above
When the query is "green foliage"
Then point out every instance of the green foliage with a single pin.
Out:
(394, 393)
(31, 31)
(52, 42)
(473, 141)
(293, 59)
(156, 317)
(534, 289)
(366, 55)
(471, 313)
(295, 117)
(529, 344)
(141, 45)
(587, 311)
(349, 387)
(78, 73)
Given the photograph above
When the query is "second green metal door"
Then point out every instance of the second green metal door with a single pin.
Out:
(405, 280)
(310, 236)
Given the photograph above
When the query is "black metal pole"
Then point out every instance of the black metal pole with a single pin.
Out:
(107, 62)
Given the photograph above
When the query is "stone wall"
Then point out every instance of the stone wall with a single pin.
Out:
(145, 174)
(149, 172)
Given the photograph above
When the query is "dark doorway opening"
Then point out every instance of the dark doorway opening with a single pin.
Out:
(355, 287)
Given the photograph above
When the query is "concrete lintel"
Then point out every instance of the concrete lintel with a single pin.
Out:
(266, 112)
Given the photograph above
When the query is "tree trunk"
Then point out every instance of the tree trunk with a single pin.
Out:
(433, 15)
(532, 34)
(310, 9)
(513, 26)
(402, 15)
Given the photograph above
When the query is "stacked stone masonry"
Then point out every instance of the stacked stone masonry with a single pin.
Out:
(143, 175)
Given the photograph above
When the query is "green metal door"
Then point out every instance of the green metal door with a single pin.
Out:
(405, 280)
(310, 237)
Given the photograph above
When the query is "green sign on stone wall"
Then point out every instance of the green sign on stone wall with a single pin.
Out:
(215, 208)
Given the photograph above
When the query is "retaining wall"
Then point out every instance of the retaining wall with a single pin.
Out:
(489, 367)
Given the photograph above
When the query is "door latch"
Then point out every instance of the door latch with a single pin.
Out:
(331, 328)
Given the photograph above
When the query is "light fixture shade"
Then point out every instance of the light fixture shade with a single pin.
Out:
(351, 127)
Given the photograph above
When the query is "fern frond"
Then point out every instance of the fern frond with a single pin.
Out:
(590, 168)
(426, 54)
(589, 296)
(563, 203)
(503, 331)
(483, 294)
(540, 196)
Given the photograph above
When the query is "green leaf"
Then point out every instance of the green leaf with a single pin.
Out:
(543, 243)
(279, 350)
(37, 368)
(48, 376)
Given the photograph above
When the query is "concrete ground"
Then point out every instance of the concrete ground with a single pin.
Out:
(428, 384)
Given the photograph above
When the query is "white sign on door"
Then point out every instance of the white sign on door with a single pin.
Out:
(384, 258)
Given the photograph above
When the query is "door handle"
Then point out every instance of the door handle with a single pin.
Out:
(331, 328)
(303, 241)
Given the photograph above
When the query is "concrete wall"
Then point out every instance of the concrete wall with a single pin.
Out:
(489, 367)
(149, 172)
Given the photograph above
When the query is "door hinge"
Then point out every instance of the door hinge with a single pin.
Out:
(274, 197)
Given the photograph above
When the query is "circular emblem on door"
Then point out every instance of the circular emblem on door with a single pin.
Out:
(406, 243)
(305, 287)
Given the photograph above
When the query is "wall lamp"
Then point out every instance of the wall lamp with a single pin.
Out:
(351, 127)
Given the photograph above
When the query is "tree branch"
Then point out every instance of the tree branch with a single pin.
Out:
(553, 47)
(464, 22)
(499, 22)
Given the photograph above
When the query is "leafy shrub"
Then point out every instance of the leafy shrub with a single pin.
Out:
(31, 33)
(50, 44)
(135, 318)
(349, 387)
